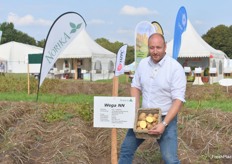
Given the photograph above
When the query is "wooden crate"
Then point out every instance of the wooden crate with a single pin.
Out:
(143, 133)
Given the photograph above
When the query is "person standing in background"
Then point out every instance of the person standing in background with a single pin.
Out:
(2, 69)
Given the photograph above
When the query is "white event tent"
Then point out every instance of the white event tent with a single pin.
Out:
(84, 58)
(227, 65)
(195, 52)
(130, 67)
(14, 55)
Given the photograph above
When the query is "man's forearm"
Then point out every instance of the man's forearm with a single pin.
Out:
(135, 92)
(175, 108)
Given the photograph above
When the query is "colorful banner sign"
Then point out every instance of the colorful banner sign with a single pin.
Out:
(158, 27)
(120, 63)
(180, 27)
(143, 30)
(64, 29)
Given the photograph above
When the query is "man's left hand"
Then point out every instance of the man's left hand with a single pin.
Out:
(157, 129)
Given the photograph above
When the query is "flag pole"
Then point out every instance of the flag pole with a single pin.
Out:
(114, 154)
(120, 62)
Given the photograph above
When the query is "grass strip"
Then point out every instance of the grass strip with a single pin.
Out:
(225, 105)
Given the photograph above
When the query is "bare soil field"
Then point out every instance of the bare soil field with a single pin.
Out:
(26, 137)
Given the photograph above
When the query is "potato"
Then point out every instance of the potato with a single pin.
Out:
(156, 115)
(146, 121)
(142, 116)
(139, 128)
(149, 126)
(154, 124)
(143, 124)
(149, 119)
(154, 119)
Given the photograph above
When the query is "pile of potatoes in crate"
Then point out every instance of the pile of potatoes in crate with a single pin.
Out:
(146, 121)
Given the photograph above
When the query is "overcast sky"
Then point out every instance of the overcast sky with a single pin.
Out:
(114, 20)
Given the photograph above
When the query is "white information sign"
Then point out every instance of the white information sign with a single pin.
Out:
(225, 82)
(114, 112)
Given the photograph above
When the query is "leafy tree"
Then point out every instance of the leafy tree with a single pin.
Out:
(220, 37)
(41, 43)
(130, 55)
(114, 47)
(9, 33)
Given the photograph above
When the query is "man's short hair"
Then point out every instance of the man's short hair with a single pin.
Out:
(162, 36)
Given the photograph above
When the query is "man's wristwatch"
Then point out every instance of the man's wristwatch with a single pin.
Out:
(164, 123)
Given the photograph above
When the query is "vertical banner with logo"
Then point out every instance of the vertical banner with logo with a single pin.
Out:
(64, 29)
(120, 62)
(119, 69)
(180, 27)
(142, 32)
(158, 27)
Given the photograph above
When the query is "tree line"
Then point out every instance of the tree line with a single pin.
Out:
(219, 37)
(9, 33)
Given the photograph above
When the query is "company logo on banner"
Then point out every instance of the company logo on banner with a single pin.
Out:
(120, 63)
(143, 30)
(180, 27)
(65, 28)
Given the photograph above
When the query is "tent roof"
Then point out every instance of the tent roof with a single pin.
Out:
(15, 51)
(192, 45)
(1, 59)
(83, 46)
(130, 67)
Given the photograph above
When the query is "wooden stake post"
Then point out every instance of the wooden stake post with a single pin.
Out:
(114, 154)
(28, 79)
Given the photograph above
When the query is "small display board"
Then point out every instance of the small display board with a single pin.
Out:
(226, 83)
(212, 71)
(187, 69)
(35, 58)
(114, 112)
(198, 72)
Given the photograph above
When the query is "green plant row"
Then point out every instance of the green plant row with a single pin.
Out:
(225, 105)
(68, 111)
(46, 98)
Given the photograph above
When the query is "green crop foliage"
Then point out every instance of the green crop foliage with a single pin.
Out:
(57, 115)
